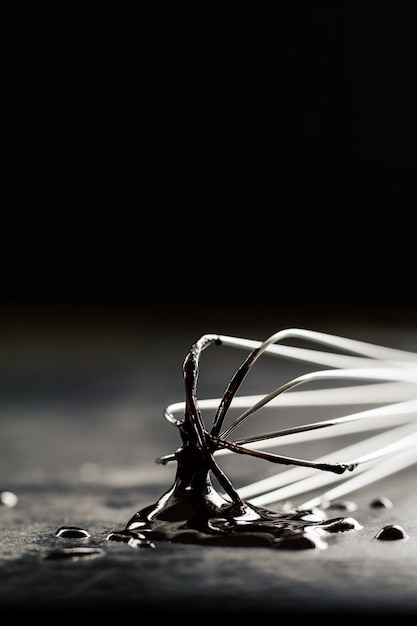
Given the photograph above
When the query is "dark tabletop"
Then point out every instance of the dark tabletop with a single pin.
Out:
(81, 427)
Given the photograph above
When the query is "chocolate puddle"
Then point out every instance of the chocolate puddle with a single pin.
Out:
(193, 513)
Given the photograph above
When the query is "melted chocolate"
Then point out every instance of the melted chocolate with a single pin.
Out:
(192, 511)
(381, 503)
(72, 532)
(132, 538)
(392, 532)
(342, 505)
(250, 526)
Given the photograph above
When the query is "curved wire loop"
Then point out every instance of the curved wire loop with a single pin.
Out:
(392, 375)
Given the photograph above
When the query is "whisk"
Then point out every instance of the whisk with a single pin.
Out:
(367, 374)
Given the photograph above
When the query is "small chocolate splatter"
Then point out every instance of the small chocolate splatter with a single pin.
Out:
(343, 505)
(124, 536)
(131, 537)
(343, 524)
(73, 532)
(391, 532)
(381, 503)
(300, 541)
(140, 543)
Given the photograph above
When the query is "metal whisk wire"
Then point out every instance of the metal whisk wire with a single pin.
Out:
(393, 374)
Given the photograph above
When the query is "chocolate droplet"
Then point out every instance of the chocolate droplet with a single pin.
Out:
(381, 503)
(72, 531)
(391, 533)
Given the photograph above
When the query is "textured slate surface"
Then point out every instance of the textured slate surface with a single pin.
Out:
(81, 425)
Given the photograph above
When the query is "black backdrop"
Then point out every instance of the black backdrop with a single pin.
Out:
(210, 154)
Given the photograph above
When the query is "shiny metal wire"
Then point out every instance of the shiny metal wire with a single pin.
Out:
(369, 374)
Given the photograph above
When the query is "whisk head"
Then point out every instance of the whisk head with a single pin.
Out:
(359, 373)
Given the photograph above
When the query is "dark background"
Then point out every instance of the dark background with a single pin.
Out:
(195, 156)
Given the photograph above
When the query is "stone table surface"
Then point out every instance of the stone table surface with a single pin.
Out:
(81, 425)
